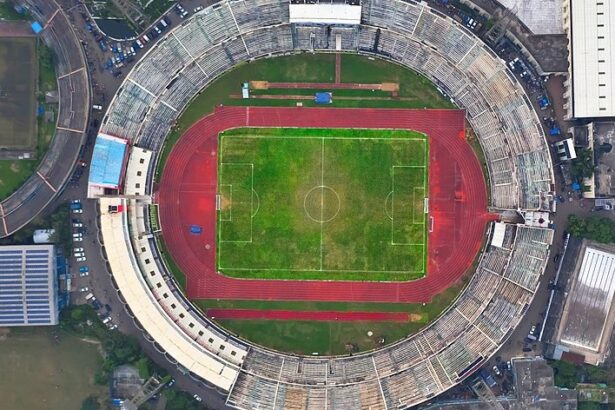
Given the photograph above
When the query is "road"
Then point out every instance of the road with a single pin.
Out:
(99, 280)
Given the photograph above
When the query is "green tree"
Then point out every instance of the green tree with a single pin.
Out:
(594, 228)
(576, 226)
(583, 165)
(180, 400)
(90, 403)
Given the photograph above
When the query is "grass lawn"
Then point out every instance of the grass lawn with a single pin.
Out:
(416, 90)
(323, 204)
(40, 373)
(13, 174)
(329, 338)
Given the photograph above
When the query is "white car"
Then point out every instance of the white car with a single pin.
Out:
(78, 239)
(82, 274)
(84, 289)
(77, 211)
(197, 397)
(75, 201)
(81, 259)
(77, 249)
(77, 225)
(196, 10)
(79, 255)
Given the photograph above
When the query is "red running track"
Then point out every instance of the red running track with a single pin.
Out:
(457, 205)
(328, 316)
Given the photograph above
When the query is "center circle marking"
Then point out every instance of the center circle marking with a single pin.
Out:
(321, 204)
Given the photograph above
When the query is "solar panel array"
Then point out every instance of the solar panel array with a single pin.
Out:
(28, 291)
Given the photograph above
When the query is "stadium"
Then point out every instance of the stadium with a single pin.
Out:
(221, 204)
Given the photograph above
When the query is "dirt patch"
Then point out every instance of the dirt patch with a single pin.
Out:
(15, 167)
(225, 203)
(259, 85)
(392, 87)
(4, 332)
(415, 317)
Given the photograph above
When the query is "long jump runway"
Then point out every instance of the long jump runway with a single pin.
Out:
(457, 204)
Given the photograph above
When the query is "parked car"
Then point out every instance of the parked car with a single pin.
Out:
(497, 371)
(77, 249)
(81, 259)
(77, 224)
(84, 289)
(197, 398)
(78, 239)
(79, 254)
(84, 269)
(197, 9)
(83, 274)
(77, 211)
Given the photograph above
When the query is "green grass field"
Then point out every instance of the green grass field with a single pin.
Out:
(416, 90)
(324, 204)
(39, 372)
(330, 338)
(13, 173)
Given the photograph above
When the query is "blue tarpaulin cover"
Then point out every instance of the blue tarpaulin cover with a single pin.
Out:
(323, 98)
(36, 27)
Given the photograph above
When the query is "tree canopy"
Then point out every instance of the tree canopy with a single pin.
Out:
(583, 165)
(596, 228)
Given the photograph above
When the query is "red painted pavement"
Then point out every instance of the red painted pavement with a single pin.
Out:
(327, 316)
(457, 204)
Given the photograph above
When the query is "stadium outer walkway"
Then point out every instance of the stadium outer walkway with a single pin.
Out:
(457, 192)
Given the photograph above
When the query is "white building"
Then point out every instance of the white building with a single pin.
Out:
(590, 26)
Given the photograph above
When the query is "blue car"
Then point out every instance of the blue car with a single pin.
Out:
(84, 269)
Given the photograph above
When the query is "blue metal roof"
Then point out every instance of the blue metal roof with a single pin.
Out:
(107, 160)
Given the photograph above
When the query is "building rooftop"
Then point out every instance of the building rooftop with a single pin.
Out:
(28, 285)
(540, 16)
(587, 317)
(592, 49)
(107, 161)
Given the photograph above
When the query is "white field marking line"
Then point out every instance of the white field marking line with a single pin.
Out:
(413, 202)
(329, 138)
(423, 140)
(386, 209)
(324, 270)
(230, 208)
(251, 200)
(322, 195)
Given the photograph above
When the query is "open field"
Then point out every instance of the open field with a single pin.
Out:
(40, 373)
(13, 174)
(322, 204)
(18, 92)
(329, 338)
(416, 90)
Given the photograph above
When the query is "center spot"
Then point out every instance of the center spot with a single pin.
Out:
(321, 204)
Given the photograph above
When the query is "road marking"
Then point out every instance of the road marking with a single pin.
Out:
(71, 130)
(47, 182)
(72, 72)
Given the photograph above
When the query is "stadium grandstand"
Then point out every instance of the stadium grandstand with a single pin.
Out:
(400, 375)
(74, 96)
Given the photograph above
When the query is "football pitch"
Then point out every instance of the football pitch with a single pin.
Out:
(322, 204)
